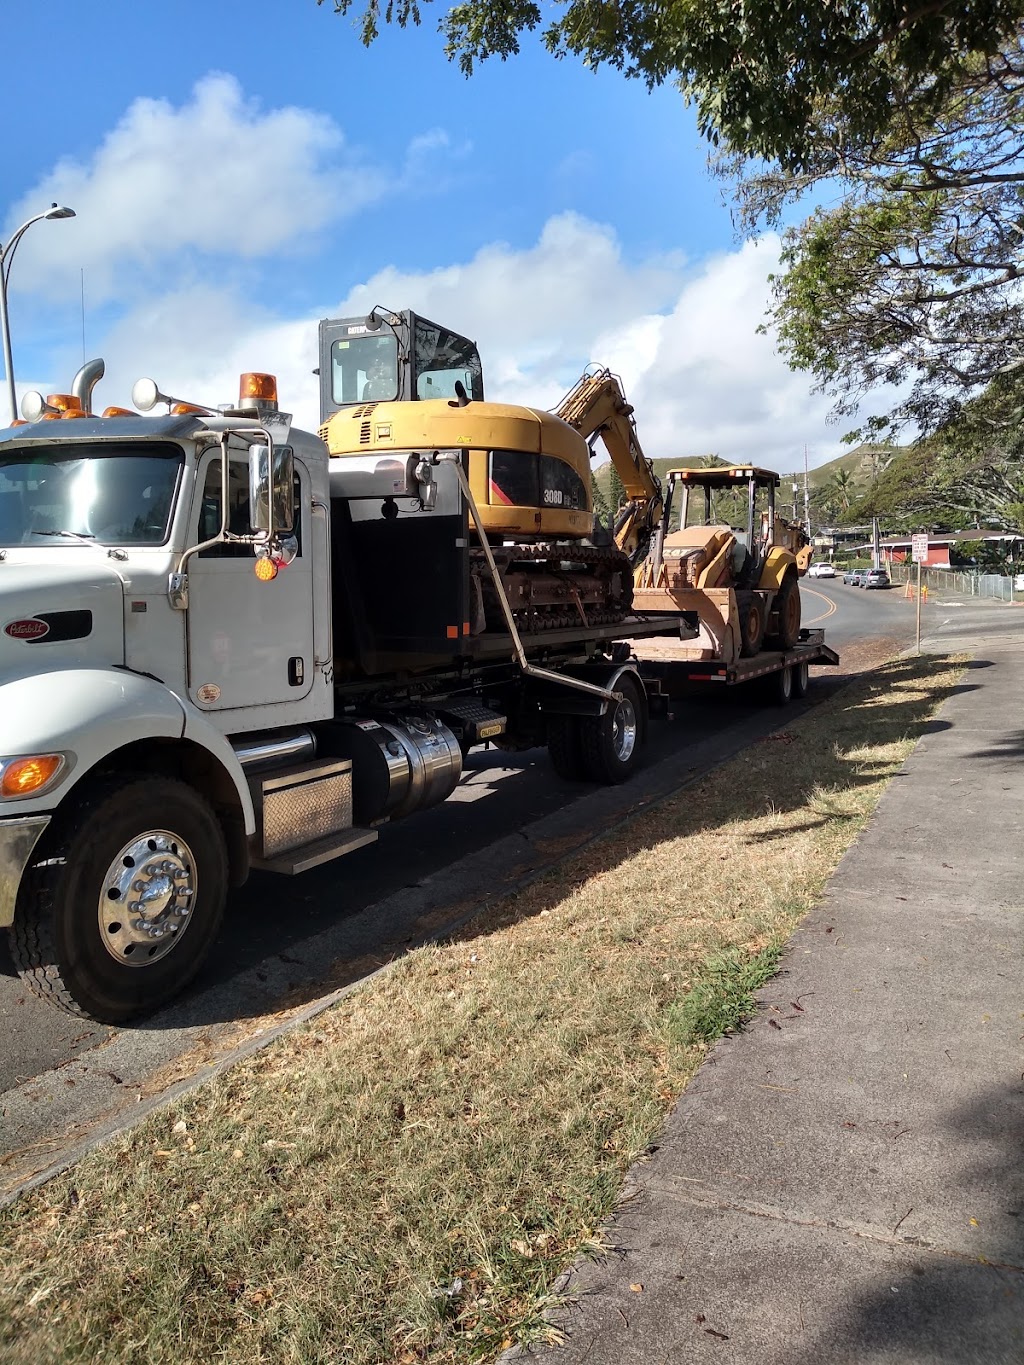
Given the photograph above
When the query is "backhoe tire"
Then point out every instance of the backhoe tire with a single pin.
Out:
(751, 623)
(565, 748)
(124, 899)
(787, 609)
(611, 743)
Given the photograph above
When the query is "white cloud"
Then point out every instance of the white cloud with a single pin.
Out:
(684, 339)
(217, 175)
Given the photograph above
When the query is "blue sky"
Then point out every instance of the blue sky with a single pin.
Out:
(241, 170)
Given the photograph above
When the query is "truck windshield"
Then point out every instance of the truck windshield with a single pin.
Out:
(119, 495)
(364, 368)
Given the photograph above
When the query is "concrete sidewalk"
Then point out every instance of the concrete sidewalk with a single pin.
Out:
(843, 1182)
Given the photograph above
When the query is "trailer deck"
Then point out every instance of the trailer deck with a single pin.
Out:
(676, 673)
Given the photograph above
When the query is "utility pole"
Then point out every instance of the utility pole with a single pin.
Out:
(807, 501)
(876, 551)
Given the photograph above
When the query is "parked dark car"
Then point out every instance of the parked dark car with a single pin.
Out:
(875, 578)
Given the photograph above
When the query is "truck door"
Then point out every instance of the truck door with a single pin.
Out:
(249, 643)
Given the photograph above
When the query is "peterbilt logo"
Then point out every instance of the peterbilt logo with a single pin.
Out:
(28, 629)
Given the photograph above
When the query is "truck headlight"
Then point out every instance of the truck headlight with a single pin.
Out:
(30, 775)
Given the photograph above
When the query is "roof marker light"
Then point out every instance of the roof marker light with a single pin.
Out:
(64, 402)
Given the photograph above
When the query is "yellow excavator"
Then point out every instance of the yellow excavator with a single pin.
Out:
(528, 469)
(738, 584)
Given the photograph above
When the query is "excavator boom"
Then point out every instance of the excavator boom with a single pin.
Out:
(596, 406)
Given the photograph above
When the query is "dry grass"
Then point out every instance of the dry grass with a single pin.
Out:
(404, 1180)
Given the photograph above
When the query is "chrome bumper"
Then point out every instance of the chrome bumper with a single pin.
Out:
(18, 839)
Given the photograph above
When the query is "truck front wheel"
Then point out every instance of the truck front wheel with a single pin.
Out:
(123, 900)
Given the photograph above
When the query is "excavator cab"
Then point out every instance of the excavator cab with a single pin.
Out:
(384, 356)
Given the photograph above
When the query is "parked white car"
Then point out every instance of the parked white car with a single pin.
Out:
(822, 570)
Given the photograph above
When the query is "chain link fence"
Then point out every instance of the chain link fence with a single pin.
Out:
(1000, 587)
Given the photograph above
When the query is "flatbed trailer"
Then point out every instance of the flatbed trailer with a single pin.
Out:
(675, 676)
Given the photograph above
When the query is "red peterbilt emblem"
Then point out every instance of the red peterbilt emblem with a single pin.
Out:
(28, 629)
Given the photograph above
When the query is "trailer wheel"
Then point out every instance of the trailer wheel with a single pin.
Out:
(565, 748)
(787, 609)
(779, 686)
(751, 624)
(801, 679)
(124, 899)
(611, 743)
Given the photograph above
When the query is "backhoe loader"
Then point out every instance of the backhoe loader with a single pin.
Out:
(738, 584)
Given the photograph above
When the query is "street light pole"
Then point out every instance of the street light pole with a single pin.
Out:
(6, 256)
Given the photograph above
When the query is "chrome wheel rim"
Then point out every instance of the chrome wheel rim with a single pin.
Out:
(146, 898)
(624, 730)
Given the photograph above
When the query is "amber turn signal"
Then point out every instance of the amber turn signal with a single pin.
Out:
(24, 776)
(265, 569)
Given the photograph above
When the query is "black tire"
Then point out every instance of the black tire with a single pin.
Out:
(611, 743)
(565, 748)
(70, 946)
(751, 623)
(787, 615)
(779, 686)
(801, 679)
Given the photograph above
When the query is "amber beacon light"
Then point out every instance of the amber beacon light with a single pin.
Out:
(261, 388)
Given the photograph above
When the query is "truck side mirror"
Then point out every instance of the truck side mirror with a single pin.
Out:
(271, 490)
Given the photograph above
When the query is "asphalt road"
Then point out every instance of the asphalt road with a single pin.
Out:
(271, 950)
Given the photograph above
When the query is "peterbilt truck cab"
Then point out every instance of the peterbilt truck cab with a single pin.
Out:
(164, 614)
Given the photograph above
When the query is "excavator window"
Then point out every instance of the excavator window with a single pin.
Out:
(521, 480)
(441, 357)
(364, 369)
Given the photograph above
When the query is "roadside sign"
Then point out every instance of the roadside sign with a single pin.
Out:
(919, 548)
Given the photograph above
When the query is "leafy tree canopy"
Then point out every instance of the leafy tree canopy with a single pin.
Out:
(969, 474)
(911, 276)
(755, 70)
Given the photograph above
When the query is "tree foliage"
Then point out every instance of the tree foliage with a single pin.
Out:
(969, 474)
(911, 277)
(755, 70)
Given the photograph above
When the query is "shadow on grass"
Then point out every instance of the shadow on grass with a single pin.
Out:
(782, 773)
(272, 940)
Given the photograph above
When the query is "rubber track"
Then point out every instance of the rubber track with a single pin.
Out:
(604, 559)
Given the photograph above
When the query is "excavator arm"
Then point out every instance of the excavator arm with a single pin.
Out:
(596, 406)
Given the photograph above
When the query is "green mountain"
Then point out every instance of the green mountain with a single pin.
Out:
(860, 466)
